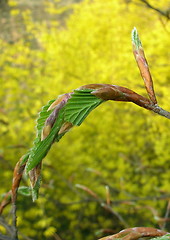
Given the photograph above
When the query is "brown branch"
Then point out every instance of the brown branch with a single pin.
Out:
(136, 233)
(118, 93)
(17, 175)
(6, 201)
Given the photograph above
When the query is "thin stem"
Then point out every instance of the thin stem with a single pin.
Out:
(5, 201)
(17, 175)
(14, 221)
(155, 108)
(8, 228)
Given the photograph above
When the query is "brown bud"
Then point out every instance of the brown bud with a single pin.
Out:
(118, 93)
(45, 132)
(146, 75)
(51, 120)
(34, 174)
(60, 99)
(65, 127)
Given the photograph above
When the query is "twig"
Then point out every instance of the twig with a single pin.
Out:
(155, 108)
(109, 209)
(8, 228)
(136, 233)
(17, 175)
(14, 220)
(163, 13)
(6, 200)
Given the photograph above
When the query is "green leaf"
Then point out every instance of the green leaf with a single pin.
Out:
(41, 148)
(43, 115)
(23, 190)
(81, 103)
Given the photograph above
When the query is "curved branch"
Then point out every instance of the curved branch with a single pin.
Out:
(136, 233)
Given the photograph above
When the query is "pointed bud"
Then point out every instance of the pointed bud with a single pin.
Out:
(35, 180)
(45, 132)
(65, 127)
(56, 102)
(109, 92)
(34, 174)
(61, 98)
(51, 120)
(118, 93)
(143, 65)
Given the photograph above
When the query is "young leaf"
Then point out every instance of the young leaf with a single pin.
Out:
(75, 110)
(135, 39)
(23, 190)
(80, 105)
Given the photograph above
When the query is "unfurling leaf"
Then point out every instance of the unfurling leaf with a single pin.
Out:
(135, 39)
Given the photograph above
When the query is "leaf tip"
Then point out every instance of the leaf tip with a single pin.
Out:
(135, 38)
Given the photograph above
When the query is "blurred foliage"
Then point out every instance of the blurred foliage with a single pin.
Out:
(119, 145)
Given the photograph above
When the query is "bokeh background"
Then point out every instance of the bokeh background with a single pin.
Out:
(48, 48)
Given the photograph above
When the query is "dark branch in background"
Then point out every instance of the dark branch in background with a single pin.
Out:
(8, 228)
(167, 215)
(10, 231)
(104, 204)
(112, 202)
(165, 13)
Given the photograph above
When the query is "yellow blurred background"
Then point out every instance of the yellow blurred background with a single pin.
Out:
(48, 48)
